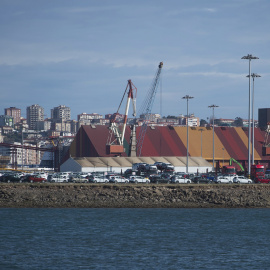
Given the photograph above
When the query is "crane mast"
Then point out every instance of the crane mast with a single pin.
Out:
(147, 108)
(115, 144)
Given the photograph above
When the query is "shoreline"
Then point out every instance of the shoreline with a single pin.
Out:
(70, 195)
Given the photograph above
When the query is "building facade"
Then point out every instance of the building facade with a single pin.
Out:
(15, 113)
(60, 113)
(6, 120)
(263, 117)
(34, 114)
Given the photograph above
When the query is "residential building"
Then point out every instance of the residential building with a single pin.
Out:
(192, 120)
(34, 114)
(152, 117)
(15, 113)
(89, 116)
(60, 113)
(6, 120)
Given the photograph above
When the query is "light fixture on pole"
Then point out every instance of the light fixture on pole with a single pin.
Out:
(213, 107)
(201, 130)
(187, 97)
(253, 75)
(249, 57)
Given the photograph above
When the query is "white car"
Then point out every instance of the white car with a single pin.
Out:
(138, 179)
(224, 180)
(180, 180)
(118, 179)
(242, 180)
(59, 179)
(98, 179)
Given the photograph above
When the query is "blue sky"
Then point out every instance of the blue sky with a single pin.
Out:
(82, 53)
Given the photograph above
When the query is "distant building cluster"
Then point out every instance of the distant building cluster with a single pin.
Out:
(60, 122)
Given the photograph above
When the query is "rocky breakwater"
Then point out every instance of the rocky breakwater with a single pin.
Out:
(139, 196)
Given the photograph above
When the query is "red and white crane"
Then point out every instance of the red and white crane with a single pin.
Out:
(115, 142)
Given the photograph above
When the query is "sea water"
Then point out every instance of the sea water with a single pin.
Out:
(134, 239)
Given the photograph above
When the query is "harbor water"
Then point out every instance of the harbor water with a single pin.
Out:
(134, 238)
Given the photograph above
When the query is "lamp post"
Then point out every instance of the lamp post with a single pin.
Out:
(213, 107)
(201, 130)
(223, 157)
(187, 97)
(249, 57)
(253, 75)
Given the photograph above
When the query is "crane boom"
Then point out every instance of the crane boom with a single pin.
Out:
(147, 108)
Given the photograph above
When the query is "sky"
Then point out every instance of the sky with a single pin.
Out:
(82, 53)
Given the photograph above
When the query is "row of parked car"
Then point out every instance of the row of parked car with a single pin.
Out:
(99, 177)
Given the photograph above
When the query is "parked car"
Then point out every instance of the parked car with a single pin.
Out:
(159, 179)
(79, 179)
(179, 179)
(118, 179)
(202, 180)
(58, 178)
(138, 179)
(36, 178)
(224, 180)
(98, 179)
(10, 177)
(242, 179)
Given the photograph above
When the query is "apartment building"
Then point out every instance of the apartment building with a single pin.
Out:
(15, 113)
(34, 114)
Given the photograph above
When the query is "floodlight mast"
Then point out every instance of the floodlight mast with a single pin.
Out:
(249, 57)
(213, 107)
(253, 75)
(187, 97)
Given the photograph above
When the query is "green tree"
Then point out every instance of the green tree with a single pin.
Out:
(238, 122)
(13, 137)
(203, 123)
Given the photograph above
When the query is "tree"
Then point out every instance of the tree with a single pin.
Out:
(12, 137)
(203, 123)
(238, 122)
(171, 117)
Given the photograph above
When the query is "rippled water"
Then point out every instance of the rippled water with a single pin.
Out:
(134, 239)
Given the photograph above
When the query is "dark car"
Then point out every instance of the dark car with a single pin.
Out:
(159, 179)
(10, 177)
(201, 179)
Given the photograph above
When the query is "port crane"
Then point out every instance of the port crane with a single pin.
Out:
(115, 141)
(147, 108)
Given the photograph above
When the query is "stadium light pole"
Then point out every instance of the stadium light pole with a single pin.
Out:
(253, 75)
(187, 97)
(213, 107)
(201, 130)
(249, 57)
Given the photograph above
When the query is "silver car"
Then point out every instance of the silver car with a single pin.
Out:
(138, 179)
(118, 179)
(242, 180)
(180, 180)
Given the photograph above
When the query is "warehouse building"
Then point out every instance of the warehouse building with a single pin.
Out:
(88, 151)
